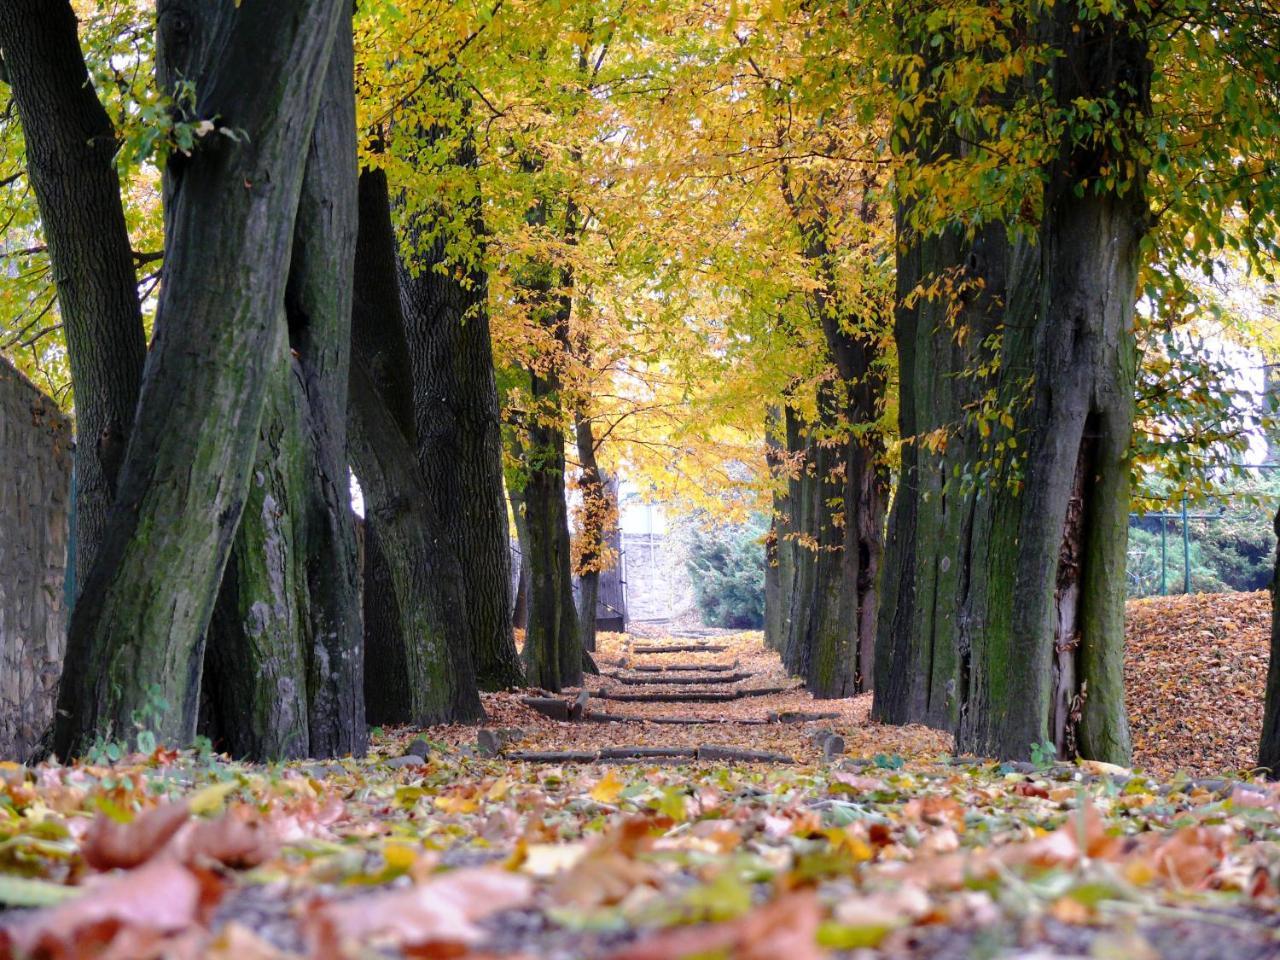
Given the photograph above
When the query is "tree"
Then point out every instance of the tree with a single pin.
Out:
(285, 650)
(138, 629)
(419, 670)
(70, 146)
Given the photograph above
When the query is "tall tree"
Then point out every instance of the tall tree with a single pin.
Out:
(138, 629)
(419, 669)
(286, 648)
(70, 148)
(1040, 568)
(455, 400)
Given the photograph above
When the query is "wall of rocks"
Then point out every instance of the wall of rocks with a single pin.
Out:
(35, 489)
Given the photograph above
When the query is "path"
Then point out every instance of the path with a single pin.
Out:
(715, 696)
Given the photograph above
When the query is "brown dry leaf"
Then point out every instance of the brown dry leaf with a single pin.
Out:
(109, 844)
(239, 839)
(1195, 675)
(609, 870)
(438, 915)
(137, 908)
(785, 928)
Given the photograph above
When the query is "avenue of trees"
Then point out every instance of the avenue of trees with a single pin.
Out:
(922, 281)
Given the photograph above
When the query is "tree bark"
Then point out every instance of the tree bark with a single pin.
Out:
(1269, 747)
(436, 682)
(70, 149)
(138, 630)
(426, 580)
(459, 435)
(597, 514)
(297, 597)
(1037, 545)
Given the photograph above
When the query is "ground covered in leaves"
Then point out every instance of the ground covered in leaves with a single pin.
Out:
(852, 841)
(1195, 678)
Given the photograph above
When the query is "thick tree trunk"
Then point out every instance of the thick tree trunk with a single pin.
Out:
(552, 648)
(256, 658)
(70, 148)
(438, 682)
(427, 580)
(387, 698)
(597, 516)
(308, 580)
(1269, 747)
(138, 629)
(378, 340)
(318, 303)
(1040, 538)
(459, 435)
(1056, 591)
(924, 633)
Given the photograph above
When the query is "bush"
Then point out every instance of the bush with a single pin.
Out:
(1232, 551)
(726, 565)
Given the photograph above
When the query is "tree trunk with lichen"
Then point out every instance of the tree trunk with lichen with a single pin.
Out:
(139, 626)
(416, 670)
(285, 650)
(1025, 589)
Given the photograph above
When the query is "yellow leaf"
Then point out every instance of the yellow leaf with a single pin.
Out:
(211, 798)
(607, 789)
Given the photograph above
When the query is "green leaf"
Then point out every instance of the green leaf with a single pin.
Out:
(27, 892)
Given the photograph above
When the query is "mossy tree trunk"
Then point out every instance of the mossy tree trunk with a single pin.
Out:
(458, 427)
(427, 673)
(290, 595)
(70, 150)
(138, 629)
(1038, 544)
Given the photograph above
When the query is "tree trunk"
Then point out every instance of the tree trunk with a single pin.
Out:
(597, 516)
(520, 606)
(1269, 747)
(387, 699)
(378, 340)
(318, 303)
(295, 600)
(137, 632)
(552, 646)
(459, 435)
(1040, 537)
(70, 149)
(437, 684)
(256, 657)
(427, 580)
(924, 632)
(776, 545)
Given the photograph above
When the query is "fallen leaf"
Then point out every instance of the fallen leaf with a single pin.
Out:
(110, 844)
(439, 914)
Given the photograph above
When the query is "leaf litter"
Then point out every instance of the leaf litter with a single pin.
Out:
(889, 848)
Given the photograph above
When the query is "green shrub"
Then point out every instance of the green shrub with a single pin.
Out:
(726, 565)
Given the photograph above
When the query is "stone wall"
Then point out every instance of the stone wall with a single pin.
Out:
(656, 576)
(35, 481)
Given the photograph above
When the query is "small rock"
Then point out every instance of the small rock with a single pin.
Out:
(488, 743)
(419, 748)
(411, 760)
